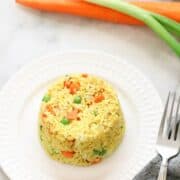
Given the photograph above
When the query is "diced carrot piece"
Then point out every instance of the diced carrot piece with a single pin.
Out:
(44, 118)
(50, 109)
(68, 154)
(72, 90)
(73, 114)
(99, 98)
(67, 84)
(77, 85)
(44, 115)
(97, 160)
(74, 87)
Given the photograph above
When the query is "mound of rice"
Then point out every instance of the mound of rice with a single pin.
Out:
(80, 120)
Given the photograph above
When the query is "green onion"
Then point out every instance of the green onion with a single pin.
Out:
(161, 25)
(96, 152)
(77, 99)
(65, 121)
(46, 98)
(170, 24)
(103, 152)
(100, 152)
(55, 151)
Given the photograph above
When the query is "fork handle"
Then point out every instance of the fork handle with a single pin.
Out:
(163, 170)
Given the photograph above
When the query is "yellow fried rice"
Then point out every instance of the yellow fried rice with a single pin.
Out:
(80, 120)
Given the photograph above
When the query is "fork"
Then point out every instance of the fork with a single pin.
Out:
(168, 141)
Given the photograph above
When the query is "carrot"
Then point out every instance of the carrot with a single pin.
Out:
(44, 115)
(73, 114)
(68, 154)
(99, 98)
(72, 90)
(97, 160)
(50, 109)
(67, 84)
(78, 7)
(74, 87)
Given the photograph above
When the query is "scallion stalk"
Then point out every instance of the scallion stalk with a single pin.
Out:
(161, 25)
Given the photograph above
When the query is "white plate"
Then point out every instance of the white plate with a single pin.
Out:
(21, 155)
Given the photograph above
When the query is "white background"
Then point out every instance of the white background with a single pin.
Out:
(26, 34)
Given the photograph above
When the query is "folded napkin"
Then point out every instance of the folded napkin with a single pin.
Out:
(150, 172)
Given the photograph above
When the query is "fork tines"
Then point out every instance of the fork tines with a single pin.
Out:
(170, 123)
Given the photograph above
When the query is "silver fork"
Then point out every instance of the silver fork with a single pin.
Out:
(168, 141)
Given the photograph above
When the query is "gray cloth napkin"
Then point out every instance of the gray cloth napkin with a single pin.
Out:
(150, 172)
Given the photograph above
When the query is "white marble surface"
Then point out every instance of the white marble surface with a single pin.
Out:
(26, 34)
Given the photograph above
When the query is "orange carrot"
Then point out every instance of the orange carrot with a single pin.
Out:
(44, 115)
(78, 7)
(73, 114)
(74, 87)
(97, 160)
(98, 98)
(68, 154)
(50, 109)
(67, 84)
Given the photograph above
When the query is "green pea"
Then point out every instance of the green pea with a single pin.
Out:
(77, 99)
(99, 152)
(46, 98)
(65, 121)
